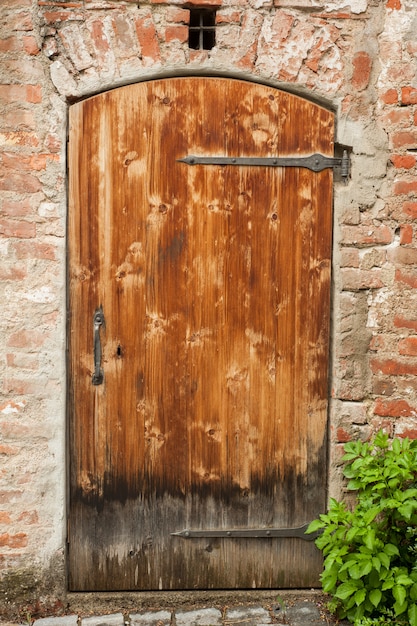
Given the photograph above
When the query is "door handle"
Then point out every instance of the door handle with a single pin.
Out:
(98, 320)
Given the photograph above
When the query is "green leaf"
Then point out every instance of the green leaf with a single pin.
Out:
(376, 563)
(396, 446)
(384, 558)
(400, 608)
(412, 614)
(413, 592)
(406, 510)
(391, 550)
(345, 590)
(315, 525)
(375, 596)
(360, 596)
(369, 539)
(399, 593)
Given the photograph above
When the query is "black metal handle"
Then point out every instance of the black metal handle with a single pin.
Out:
(98, 320)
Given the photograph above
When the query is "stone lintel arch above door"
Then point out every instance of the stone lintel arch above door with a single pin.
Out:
(198, 336)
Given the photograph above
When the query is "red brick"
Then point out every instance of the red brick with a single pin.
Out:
(56, 17)
(403, 161)
(403, 256)
(32, 250)
(148, 39)
(10, 495)
(406, 278)
(53, 143)
(58, 3)
(364, 235)
(178, 15)
(405, 139)
(23, 361)
(356, 279)
(410, 433)
(18, 4)
(408, 346)
(19, 138)
(247, 62)
(16, 209)
(19, 162)
(21, 229)
(343, 436)
(176, 33)
(19, 21)
(406, 234)
(18, 118)
(396, 117)
(228, 18)
(20, 93)
(410, 209)
(390, 96)
(11, 44)
(402, 322)
(27, 339)
(30, 45)
(19, 540)
(349, 257)
(29, 517)
(12, 273)
(20, 183)
(121, 27)
(392, 367)
(408, 95)
(381, 387)
(392, 408)
(405, 186)
(101, 43)
(362, 65)
(336, 15)
(20, 387)
(7, 450)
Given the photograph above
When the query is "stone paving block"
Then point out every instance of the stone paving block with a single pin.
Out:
(151, 618)
(247, 616)
(116, 619)
(304, 614)
(66, 620)
(199, 617)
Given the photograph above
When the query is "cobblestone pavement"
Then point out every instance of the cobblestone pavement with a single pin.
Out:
(302, 612)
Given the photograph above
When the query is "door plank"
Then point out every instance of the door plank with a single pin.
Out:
(215, 285)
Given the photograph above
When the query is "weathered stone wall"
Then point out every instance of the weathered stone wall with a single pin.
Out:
(358, 56)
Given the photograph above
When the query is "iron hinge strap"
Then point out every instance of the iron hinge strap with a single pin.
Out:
(314, 162)
(251, 533)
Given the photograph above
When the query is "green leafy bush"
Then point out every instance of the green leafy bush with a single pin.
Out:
(370, 551)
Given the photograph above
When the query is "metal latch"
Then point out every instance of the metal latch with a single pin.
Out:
(248, 533)
(315, 162)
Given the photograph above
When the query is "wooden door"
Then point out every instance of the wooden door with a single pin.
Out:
(198, 337)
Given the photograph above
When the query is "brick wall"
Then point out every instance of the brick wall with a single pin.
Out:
(359, 56)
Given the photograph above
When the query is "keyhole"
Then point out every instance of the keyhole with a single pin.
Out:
(119, 351)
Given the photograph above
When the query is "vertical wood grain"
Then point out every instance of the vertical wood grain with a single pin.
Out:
(215, 286)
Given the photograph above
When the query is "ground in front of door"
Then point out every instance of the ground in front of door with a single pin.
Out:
(289, 608)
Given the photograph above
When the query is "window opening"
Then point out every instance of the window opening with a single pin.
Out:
(202, 33)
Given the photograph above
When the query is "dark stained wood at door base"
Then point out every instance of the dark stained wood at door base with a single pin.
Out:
(214, 282)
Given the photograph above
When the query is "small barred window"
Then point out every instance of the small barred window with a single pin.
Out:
(202, 33)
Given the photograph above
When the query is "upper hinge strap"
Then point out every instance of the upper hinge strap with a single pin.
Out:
(314, 162)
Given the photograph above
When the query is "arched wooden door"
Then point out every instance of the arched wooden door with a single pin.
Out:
(198, 336)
